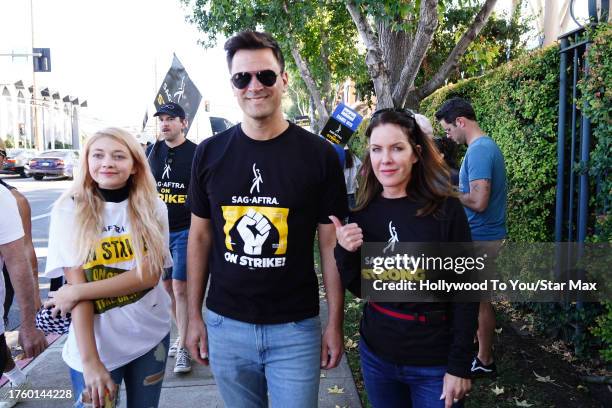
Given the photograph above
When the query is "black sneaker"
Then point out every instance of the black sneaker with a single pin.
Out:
(480, 370)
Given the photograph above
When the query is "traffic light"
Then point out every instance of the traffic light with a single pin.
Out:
(42, 63)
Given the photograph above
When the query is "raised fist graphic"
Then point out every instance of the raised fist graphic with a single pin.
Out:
(253, 228)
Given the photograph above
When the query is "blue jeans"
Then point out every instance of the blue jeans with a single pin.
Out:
(250, 361)
(143, 377)
(178, 250)
(399, 386)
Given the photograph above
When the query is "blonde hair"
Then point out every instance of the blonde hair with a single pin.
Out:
(146, 227)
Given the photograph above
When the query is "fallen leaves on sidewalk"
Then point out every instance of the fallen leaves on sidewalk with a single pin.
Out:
(335, 390)
(546, 379)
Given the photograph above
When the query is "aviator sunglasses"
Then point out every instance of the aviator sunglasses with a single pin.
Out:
(266, 77)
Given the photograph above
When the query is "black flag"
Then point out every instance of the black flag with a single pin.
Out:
(178, 88)
(145, 120)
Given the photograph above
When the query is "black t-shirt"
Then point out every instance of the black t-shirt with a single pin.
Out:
(408, 342)
(264, 200)
(171, 167)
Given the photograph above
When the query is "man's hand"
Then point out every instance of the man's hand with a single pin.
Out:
(332, 347)
(197, 340)
(31, 340)
(350, 236)
(454, 389)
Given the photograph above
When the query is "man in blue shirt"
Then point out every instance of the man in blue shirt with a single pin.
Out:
(483, 192)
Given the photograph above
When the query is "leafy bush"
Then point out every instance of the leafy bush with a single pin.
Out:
(596, 92)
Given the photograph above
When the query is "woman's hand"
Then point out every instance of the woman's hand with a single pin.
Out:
(454, 389)
(63, 300)
(350, 236)
(98, 383)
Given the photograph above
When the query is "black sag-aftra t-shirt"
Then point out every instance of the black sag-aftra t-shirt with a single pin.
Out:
(171, 167)
(405, 342)
(264, 200)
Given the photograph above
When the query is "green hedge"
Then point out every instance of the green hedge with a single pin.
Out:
(517, 105)
(597, 94)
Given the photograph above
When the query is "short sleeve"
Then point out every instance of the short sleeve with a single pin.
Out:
(10, 222)
(197, 198)
(333, 199)
(61, 249)
(480, 164)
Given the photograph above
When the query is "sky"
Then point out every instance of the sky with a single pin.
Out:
(112, 53)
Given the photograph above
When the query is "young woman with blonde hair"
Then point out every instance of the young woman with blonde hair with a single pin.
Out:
(109, 237)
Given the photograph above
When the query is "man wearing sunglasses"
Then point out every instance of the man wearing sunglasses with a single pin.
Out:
(259, 193)
(170, 159)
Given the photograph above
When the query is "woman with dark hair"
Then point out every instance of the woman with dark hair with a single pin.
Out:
(412, 354)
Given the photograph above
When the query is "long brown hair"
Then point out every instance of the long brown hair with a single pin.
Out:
(146, 225)
(429, 182)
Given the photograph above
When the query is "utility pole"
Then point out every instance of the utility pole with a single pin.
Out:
(39, 142)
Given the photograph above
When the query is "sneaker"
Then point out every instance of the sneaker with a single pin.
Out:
(7, 398)
(174, 347)
(481, 370)
(183, 361)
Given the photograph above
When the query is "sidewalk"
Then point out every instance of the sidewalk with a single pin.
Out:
(195, 389)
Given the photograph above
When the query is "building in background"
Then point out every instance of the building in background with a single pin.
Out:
(57, 117)
(553, 18)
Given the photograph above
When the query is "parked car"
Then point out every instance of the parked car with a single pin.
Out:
(16, 161)
(58, 162)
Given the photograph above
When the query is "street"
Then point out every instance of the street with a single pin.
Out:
(41, 195)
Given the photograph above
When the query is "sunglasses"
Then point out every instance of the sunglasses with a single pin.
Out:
(405, 111)
(267, 77)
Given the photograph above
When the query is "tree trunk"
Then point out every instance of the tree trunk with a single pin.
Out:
(322, 114)
(313, 119)
(428, 21)
(328, 97)
(374, 57)
(316, 98)
(396, 47)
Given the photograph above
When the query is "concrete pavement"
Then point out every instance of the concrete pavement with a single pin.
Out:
(195, 389)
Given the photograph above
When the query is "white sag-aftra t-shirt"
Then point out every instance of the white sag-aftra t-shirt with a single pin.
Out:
(125, 327)
(10, 230)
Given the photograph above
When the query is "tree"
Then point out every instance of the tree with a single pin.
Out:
(319, 37)
(502, 38)
(412, 47)
(397, 35)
